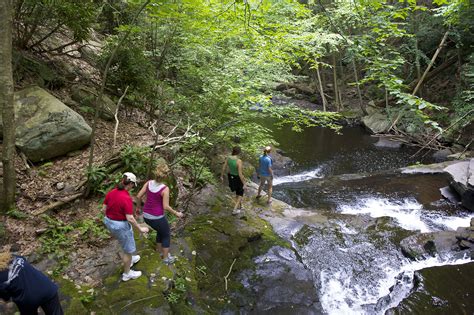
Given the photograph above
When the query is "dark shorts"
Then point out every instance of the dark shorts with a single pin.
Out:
(236, 184)
(162, 229)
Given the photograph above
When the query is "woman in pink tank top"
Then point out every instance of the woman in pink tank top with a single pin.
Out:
(157, 201)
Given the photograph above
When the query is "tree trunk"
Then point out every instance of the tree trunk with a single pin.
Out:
(6, 104)
(336, 88)
(356, 77)
(321, 90)
(431, 62)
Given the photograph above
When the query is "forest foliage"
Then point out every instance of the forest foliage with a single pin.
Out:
(214, 65)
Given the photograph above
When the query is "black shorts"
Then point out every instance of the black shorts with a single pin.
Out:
(236, 184)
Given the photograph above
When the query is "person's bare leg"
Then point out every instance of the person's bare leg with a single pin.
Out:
(270, 190)
(165, 251)
(260, 186)
(127, 260)
(158, 248)
(238, 202)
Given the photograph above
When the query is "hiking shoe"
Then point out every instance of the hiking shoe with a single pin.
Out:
(169, 260)
(135, 259)
(132, 274)
(236, 211)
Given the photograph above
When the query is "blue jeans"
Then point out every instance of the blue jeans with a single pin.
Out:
(123, 232)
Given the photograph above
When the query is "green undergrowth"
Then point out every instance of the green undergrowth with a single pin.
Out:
(60, 237)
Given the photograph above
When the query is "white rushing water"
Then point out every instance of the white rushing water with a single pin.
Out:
(340, 296)
(300, 177)
(408, 213)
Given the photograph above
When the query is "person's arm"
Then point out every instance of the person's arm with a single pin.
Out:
(224, 169)
(239, 169)
(128, 209)
(166, 203)
(140, 196)
(131, 219)
(270, 169)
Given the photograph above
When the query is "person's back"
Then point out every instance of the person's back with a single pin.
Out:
(232, 163)
(265, 162)
(154, 201)
(28, 288)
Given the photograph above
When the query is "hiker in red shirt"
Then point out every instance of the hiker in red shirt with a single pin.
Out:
(119, 220)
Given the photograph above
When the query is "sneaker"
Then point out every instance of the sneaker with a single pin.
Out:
(132, 274)
(135, 259)
(236, 211)
(169, 260)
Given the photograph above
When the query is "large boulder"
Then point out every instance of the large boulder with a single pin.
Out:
(86, 96)
(45, 127)
(376, 122)
(462, 182)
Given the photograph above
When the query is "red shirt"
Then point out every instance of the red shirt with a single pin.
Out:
(119, 203)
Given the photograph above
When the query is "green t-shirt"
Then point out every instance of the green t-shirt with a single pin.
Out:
(232, 163)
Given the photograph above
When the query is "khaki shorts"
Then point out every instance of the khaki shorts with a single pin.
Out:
(266, 179)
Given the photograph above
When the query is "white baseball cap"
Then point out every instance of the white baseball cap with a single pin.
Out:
(131, 177)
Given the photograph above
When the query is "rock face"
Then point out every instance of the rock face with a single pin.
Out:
(463, 181)
(376, 122)
(85, 96)
(47, 128)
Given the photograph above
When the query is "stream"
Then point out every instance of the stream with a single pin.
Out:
(354, 255)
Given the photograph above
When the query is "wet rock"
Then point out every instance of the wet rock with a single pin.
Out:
(47, 128)
(425, 245)
(386, 143)
(466, 244)
(376, 122)
(449, 194)
(281, 284)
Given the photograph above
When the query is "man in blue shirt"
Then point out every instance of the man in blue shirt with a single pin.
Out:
(27, 287)
(265, 173)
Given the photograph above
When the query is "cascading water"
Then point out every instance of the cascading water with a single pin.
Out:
(354, 256)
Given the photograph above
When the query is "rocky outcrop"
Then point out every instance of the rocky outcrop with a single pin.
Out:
(45, 127)
(462, 182)
(85, 96)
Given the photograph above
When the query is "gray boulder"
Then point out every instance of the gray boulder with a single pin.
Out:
(462, 182)
(85, 96)
(376, 122)
(45, 127)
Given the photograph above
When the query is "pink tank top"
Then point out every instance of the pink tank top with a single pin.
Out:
(154, 200)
